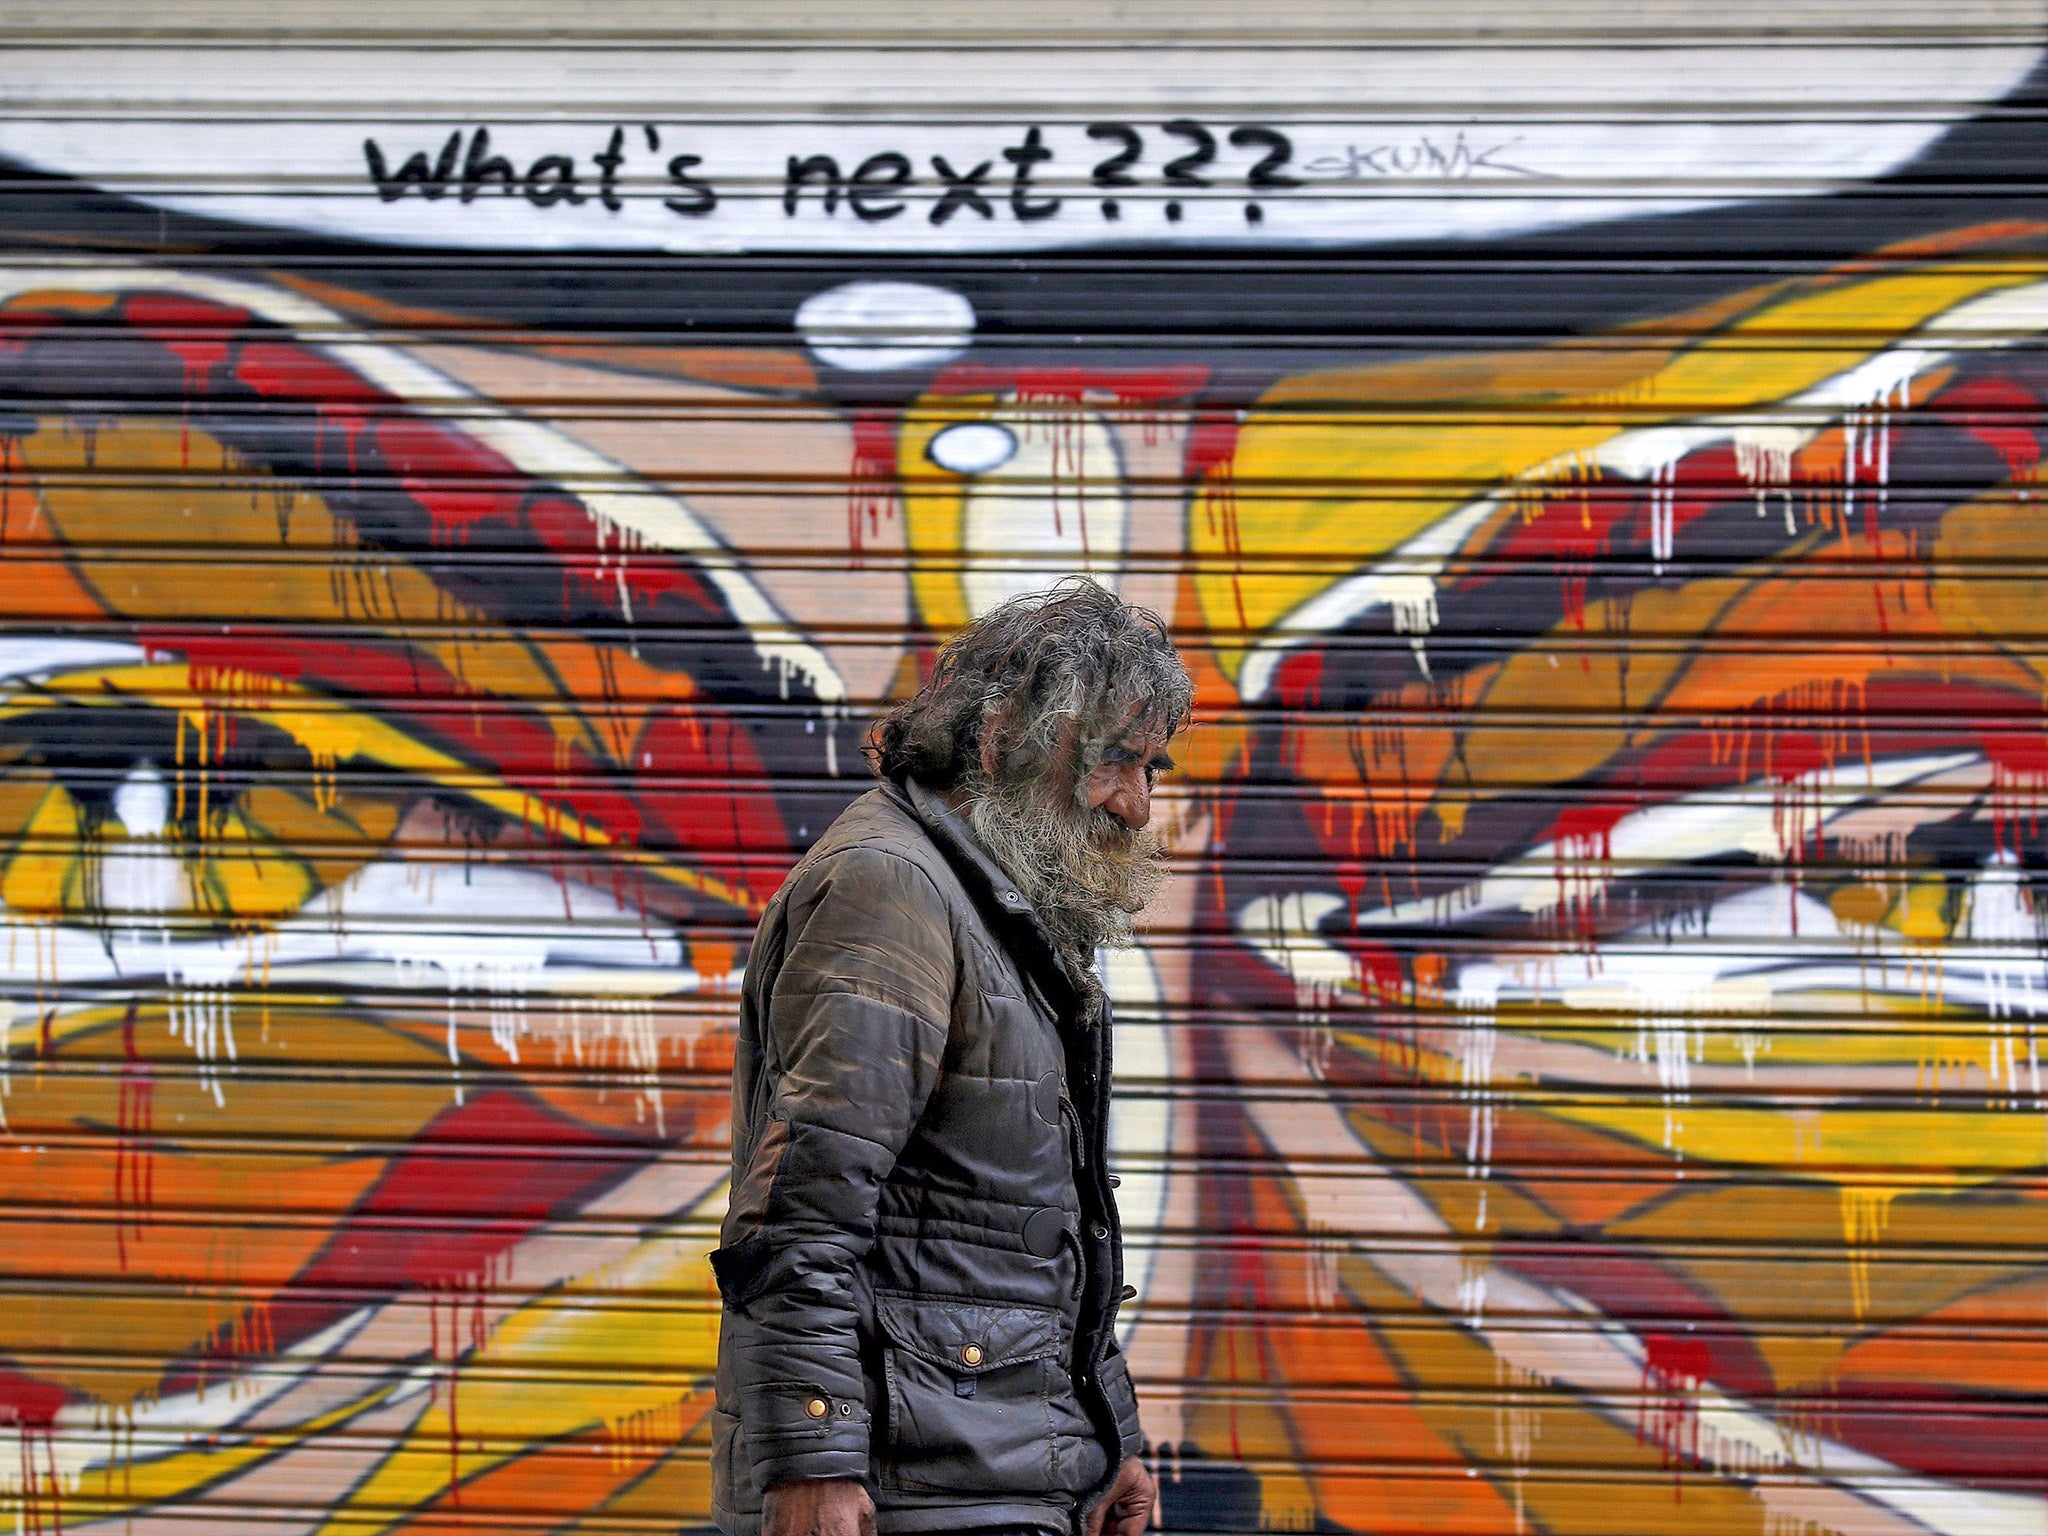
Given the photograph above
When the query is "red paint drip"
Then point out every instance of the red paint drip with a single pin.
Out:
(1583, 836)
(1675, 1369)
(871, 485)
(32, 1406)
(2019, 779)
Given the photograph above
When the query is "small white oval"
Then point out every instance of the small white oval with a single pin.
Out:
(973, 447)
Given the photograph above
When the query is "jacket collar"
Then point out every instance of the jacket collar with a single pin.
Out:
(955, 838)
(950, 831)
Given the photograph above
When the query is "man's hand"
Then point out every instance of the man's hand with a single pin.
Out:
(821, 1506)
(1127, 1508)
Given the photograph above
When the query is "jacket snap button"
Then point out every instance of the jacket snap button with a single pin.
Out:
(1101, 1232)
(1115, 1182)
(817, 1407)
(971, 1353)
(1044, 1232)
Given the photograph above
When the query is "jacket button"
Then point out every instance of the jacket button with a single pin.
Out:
(971, 1354)
(1101, 1232)
(1044, 1232)
(1130, 1293)
(1115, 1182)
(817, 1407)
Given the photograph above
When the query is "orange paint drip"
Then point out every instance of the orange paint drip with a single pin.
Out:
(647, 1434)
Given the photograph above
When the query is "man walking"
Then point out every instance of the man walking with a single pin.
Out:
(921, 1262)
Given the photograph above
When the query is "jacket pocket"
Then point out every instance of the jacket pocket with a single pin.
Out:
(969, 1394)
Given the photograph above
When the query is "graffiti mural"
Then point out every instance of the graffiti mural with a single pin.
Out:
(1585, 1077)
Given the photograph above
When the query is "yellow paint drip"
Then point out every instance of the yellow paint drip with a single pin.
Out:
(1866, 1213)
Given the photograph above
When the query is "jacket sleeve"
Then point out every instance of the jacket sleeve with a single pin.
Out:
(854, 1032)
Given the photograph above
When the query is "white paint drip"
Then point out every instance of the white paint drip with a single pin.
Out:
(1763, 457)
(2000, 914)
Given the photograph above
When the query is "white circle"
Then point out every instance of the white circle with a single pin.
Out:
(973, 447)
(870, 326)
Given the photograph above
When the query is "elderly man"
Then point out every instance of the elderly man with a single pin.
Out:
(921, 1262)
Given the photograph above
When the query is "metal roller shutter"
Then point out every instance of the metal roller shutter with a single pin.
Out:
(467, 480)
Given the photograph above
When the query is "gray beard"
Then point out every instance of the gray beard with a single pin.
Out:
(1086, 873)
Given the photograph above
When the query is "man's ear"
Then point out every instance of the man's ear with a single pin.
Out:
(989, 740)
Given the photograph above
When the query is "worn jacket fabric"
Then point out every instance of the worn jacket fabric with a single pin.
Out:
(921, 1260)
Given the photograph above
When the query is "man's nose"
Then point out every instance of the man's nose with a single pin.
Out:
(1130, 802)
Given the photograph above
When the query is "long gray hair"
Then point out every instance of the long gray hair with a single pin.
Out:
(1017, 713)
(1021, 678)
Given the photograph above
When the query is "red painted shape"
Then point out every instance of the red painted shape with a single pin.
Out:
(2018, 755)
(1587, 831)
(458, 481)
(1791, 755)
(1678, 1357)
(1991, 409)
(279, 370)
(157, 312)
(135, 1143)
(197, 332)
(28, 1402)
(607, 562)
(1940, 1432)
(1381, 976)
(1298, 680)
(1212, 443)
(20, 327)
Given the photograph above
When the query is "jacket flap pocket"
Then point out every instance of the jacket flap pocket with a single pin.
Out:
(968, 1337)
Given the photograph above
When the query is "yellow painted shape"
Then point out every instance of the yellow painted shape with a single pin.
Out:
(1950, 1146)
(42, 876)
(333, 838)
(561, 1335)
(1921, 914)
(1294, 483)
(935, 508)
(242, 873)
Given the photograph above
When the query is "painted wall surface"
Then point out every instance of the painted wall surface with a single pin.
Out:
(1586, 1076)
